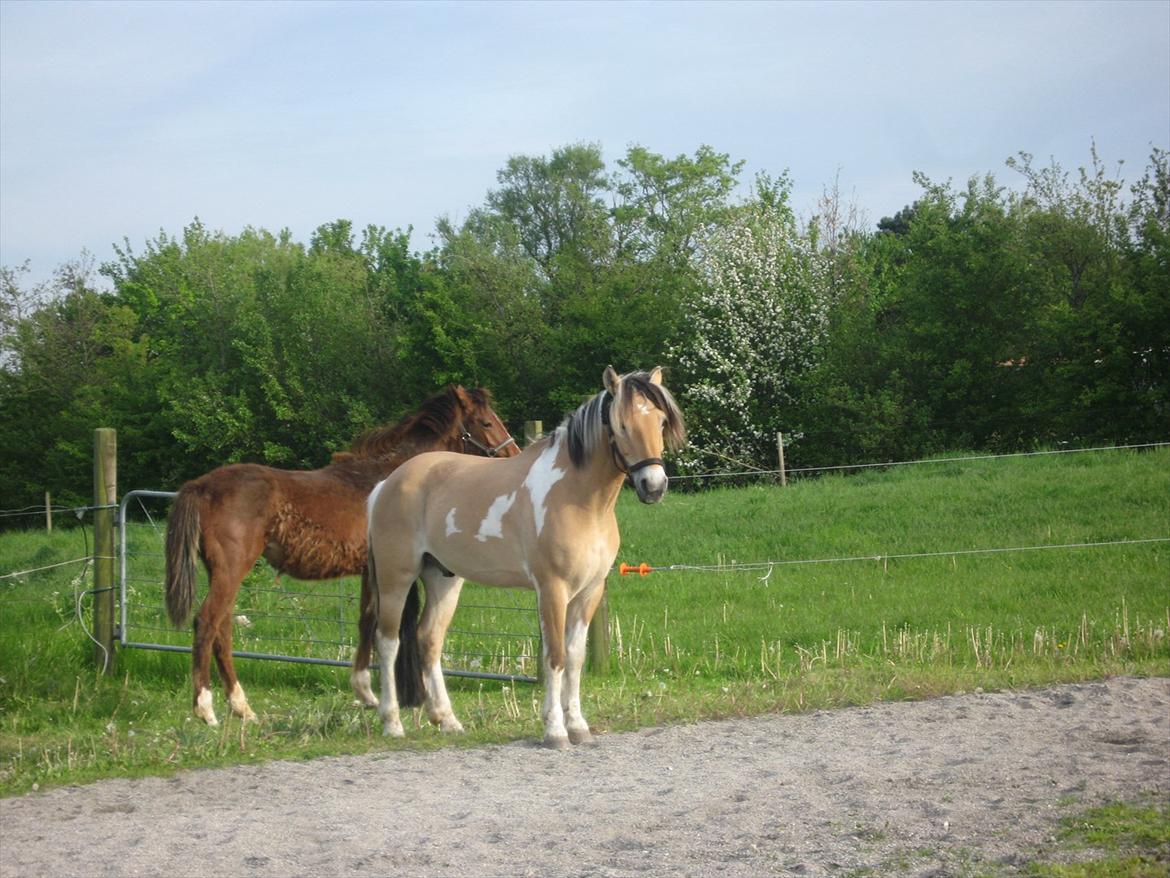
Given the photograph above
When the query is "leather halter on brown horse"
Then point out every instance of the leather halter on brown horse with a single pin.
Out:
(309, 524)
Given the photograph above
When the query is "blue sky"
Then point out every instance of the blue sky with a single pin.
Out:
(118, 120)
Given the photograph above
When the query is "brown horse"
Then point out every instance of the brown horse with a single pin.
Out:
(309, 524)
(543, 520)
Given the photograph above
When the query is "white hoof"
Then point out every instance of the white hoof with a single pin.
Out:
(239, 705)
(450, 725)
(360, 681)
(203, 708)
(392, 724)
(393, 730)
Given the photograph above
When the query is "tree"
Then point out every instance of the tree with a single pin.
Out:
(754, 328)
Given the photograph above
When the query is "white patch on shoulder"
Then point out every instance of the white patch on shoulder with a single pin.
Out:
(542, 475)
(451, 528)
(492, 524)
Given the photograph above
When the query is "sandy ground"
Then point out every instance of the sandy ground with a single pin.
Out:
(958, 785)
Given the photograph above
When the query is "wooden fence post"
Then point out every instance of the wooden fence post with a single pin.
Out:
(598, 640)
(780, 450)
(533, 430)
(48, 512)
(105, 496)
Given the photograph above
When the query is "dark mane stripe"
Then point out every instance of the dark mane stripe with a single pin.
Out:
(584, 429)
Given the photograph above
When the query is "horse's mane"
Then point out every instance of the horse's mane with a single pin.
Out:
(586, 426)
(437, 417)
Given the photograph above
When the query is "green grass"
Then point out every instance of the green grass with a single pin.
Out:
(685, 645)
(1120, 840)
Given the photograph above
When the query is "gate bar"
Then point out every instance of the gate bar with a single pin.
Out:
(296, 659)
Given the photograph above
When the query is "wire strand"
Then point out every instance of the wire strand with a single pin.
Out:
(850, 466)
(768, 565)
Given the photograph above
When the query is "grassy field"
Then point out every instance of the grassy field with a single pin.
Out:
(686, 644)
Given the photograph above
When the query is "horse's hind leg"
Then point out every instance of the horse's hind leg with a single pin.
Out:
(442, 599)
(201, 666)
(359, 674)
(227, 565)
(577, 618)
(231, 684)
(392, 589)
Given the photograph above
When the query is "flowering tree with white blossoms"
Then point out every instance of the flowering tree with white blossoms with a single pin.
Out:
(755, 324)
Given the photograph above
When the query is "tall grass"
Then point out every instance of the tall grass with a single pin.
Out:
(685, 644)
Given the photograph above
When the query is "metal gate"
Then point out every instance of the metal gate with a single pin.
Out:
(495, 633)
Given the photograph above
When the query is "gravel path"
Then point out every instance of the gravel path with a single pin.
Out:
(973, 783)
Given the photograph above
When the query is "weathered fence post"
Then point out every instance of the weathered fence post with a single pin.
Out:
(780, 450)
(533, 430)
(598, 641)
(48, 512)
(105, 498)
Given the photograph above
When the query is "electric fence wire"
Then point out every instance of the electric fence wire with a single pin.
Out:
(769, 566)
(877, 465)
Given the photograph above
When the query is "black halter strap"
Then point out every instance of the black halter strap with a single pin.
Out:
(619, 458)
(488, 451)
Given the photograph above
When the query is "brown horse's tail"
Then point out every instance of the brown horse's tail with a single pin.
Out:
(408, 663)
(182, 553)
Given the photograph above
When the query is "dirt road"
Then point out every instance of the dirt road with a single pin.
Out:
(973, 783)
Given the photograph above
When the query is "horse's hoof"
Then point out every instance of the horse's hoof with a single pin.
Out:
(393, 731)
(557, 742)
(451, 727)
(361, 702)
(581, 736)
(203, 708)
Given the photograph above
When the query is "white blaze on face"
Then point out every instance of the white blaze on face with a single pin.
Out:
(492, 524)
(451, 528)
(543, 474)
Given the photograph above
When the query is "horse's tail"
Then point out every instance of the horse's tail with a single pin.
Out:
(408, 663)
(182, 553)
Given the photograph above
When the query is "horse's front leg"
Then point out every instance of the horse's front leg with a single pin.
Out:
(551, 602)
(442, 599)
(579, 615)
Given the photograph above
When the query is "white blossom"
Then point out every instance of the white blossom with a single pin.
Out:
(755, 326)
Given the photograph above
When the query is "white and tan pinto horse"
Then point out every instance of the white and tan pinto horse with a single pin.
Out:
(543, 520)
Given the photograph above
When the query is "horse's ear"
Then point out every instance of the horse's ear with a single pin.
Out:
(464, 398)
(610, 380)
(656, 375)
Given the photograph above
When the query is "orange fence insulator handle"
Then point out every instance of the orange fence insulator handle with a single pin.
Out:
(643, 568)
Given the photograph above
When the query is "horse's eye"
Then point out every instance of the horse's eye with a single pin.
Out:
(487, 425)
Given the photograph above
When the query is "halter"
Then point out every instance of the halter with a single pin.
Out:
(619, 458)
(468, 439)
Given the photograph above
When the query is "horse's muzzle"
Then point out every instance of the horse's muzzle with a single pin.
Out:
(650, 483)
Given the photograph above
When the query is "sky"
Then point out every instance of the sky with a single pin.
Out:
(119, 121)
